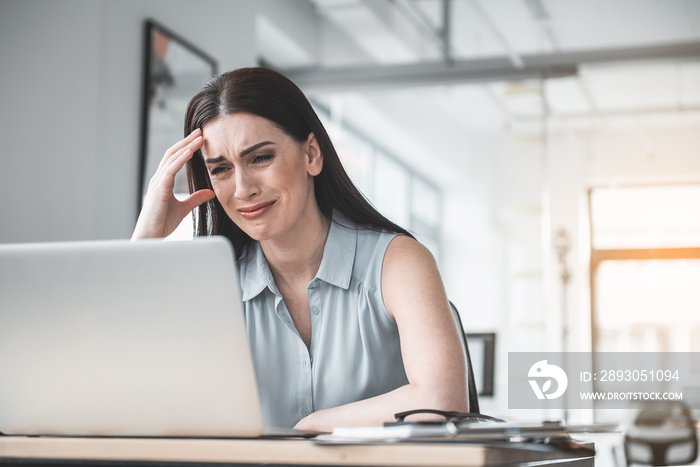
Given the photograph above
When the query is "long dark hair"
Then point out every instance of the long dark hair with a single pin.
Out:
(270, 95)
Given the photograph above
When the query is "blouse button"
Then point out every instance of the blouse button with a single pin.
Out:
(305, 411)
(315, 310)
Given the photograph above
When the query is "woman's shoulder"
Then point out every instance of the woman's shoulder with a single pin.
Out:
(409, 274)
(380, 253)
(404, 252)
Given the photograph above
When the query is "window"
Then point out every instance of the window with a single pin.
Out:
(646, 217)
(645, 267)
(392, 190)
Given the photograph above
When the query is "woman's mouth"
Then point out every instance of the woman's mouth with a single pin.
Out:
(251, 212)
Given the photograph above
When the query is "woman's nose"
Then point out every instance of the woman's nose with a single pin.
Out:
(246, 185)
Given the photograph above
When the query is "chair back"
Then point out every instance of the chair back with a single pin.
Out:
(473, 395)
(662, 433)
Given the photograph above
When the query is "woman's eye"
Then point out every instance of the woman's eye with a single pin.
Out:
(218, 170)
(262, 158)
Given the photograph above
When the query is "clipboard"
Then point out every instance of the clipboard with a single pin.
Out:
(467, 430)
(547, 436)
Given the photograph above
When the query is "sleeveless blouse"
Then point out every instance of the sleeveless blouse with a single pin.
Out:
(355, 352)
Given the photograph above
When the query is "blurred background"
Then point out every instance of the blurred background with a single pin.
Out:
(546, 151)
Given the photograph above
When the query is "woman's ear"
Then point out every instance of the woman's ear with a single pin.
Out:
(314, 158)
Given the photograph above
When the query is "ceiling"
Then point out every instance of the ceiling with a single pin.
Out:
(407, 67)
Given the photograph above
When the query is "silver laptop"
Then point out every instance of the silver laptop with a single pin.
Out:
(113, 338)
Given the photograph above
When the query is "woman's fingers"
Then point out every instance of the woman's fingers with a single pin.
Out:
(178, 161)
(169, 168)
(177, 147)
(162, 212)
(197, 198)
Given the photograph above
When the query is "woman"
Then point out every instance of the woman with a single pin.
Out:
(347, 316)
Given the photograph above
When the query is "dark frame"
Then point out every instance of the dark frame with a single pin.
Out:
(154, 73)
(488, 341)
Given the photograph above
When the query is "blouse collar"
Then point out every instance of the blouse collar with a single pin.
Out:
(336, 264)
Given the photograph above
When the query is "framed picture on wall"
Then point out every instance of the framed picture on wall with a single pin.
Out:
(173, 71)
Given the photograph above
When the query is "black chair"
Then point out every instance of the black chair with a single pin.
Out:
(662, 433)
(473, 395)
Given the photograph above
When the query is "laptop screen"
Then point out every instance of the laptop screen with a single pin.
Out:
(119, 338)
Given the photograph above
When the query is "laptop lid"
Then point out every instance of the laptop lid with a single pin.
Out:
(114, 338)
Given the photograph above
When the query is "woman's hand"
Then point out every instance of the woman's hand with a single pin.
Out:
(162, 212)
(305, 423)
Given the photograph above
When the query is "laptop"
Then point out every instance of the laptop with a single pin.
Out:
(119, 338)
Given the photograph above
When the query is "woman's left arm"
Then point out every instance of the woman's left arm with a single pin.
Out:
(431, 346)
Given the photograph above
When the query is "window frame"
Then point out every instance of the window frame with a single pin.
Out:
(598, 256)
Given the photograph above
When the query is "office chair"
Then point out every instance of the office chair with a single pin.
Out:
(473, 395)
(662, 433)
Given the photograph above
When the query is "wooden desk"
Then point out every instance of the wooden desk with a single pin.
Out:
(282, 452)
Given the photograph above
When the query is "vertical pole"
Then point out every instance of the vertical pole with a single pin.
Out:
(446, 32)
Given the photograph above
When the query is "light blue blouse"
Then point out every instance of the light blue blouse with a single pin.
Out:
(355, 352)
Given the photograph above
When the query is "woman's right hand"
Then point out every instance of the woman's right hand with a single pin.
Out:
(162, 212)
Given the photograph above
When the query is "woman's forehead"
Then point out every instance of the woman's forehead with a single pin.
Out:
(236, 132)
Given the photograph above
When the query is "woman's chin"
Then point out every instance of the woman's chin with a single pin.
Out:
(258, 231)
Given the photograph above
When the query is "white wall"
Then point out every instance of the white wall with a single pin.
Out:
(49, 91)
(69, 93)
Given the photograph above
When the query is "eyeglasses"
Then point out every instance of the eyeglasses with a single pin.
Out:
(458, 425)
(454, 417)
